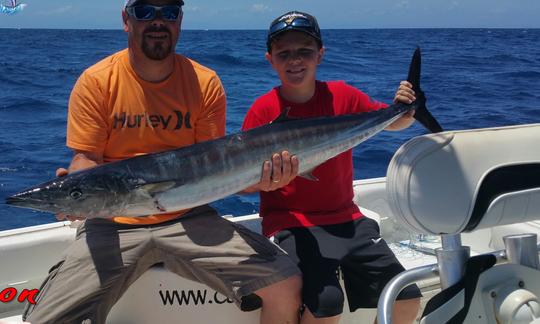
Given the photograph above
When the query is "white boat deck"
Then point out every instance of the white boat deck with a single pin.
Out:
(28, 253)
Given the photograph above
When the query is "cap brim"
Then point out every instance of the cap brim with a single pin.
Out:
(289, 28)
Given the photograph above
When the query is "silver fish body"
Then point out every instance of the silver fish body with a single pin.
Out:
(204, 172)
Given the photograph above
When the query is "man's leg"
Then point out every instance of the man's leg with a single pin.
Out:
(233, 260)
(93, 273)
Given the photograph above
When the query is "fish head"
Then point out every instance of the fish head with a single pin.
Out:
(86, 194)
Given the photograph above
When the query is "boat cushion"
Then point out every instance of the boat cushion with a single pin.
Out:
(451, 182)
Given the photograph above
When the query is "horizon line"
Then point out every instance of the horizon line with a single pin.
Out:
(257, 29)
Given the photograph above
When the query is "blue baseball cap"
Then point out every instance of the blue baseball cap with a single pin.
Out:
(294, 20)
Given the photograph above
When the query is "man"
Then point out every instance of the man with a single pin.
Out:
(124, 106)
(317, 222)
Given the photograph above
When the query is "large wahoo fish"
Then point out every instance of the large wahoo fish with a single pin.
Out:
(201, 173)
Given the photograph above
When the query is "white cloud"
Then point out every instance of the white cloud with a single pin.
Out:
(454, 5)
(192, 8)
(56, 11)
(259, 7)
(403, 4)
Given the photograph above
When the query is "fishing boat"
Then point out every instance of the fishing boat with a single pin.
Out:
(479, 187)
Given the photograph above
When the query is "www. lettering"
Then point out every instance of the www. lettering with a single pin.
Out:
(8, 295)
(173, 122)
(191, 297)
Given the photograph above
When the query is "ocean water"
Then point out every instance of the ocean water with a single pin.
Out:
(473, 78)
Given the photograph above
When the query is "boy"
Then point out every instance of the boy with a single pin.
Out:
(316, 222)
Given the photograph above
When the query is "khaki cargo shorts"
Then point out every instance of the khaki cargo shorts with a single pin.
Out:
(107, 257)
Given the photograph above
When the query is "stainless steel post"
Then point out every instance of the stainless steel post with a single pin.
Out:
(451, 259)
(522, 249)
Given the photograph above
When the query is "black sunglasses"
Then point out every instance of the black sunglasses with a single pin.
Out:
(148, 12)
(298, 22)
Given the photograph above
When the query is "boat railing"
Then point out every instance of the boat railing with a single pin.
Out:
(514, 253)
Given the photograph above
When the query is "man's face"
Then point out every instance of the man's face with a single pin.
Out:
(155, 38)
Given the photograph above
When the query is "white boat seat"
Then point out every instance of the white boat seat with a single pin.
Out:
(452, 182)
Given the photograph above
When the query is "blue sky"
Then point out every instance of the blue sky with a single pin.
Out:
(257, 14)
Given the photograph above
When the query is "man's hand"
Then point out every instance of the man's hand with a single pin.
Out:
(276, 174)
(61, 172)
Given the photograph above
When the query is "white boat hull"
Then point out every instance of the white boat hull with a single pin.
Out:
(28, 253)
(159, 296)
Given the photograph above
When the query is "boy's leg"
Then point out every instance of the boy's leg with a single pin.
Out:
(233, 260)
(370, 267)
(405, 311)
(317, 255)
(93, 273)
(309, 318)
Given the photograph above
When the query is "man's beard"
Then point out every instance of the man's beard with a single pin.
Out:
(160, 49)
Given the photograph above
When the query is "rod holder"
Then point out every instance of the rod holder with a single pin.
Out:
(522, 249)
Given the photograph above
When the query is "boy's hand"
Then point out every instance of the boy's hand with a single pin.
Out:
(404, 94)
(276, 174)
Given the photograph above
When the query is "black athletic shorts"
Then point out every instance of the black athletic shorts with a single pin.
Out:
(366, 261)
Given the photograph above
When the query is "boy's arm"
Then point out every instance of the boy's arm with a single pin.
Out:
(404, 94)
(281, 168)
(276, 174)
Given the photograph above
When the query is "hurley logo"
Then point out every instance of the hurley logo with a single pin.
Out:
(170, 122)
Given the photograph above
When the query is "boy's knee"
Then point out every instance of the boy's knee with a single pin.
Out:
(326, 303)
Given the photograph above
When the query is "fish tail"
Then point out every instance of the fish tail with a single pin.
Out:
(422, 114)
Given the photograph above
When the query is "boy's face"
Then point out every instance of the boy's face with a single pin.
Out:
(295, 56)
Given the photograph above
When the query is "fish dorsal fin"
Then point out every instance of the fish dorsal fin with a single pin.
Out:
(283, 116)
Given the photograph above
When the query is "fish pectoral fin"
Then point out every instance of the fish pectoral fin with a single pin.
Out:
(155, 188)
(160, 207)
(309, 176)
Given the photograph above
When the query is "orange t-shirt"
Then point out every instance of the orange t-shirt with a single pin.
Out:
(115, 113)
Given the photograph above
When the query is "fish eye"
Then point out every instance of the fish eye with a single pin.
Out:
(75, 193)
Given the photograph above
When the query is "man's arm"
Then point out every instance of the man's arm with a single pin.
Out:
(81, 160)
